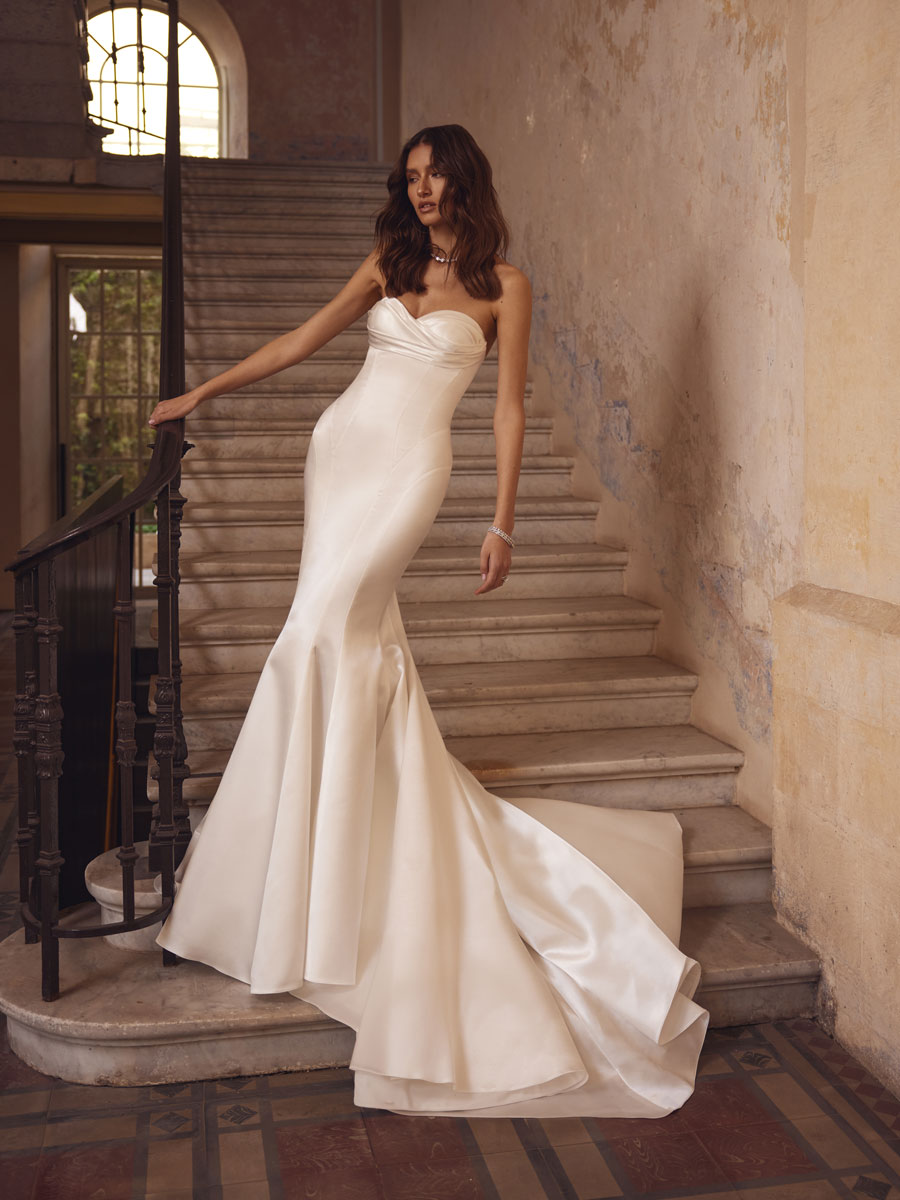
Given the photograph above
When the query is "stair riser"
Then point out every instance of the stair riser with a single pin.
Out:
(366, 195)
(759, 1001)
(246, 593)
(274, 218)
(218, 732)
(536, 532)
(293, 445)
(656, 793)
(301, 405)
(543, 716)
(289, 487)
(233, 265)
(234, 345)
(280, 243)
(662, 792)
(727, 884)
(319, 373)
(201, 285)
(207, 314)
(456, 647)
(179, 1059)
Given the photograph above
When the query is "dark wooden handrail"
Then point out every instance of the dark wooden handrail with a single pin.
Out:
(39, 708)
(70, 529)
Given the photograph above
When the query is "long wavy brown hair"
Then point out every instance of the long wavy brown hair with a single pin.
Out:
(468, 204)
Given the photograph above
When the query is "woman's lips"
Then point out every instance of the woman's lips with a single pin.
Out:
(427, 206)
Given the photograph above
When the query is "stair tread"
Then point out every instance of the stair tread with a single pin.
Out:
(723, 834)
(743, 943)
(427, 560)
(231, 426)
(454, 682)
(736, 945)
(253, 511)
(462, 464)
(541, 758)
(546, 612)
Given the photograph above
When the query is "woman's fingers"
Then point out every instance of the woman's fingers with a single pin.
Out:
(171, 410)
(495, 568)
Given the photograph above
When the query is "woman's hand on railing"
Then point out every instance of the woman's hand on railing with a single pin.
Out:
(177, 406)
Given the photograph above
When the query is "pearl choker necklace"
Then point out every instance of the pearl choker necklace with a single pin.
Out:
(440, 256)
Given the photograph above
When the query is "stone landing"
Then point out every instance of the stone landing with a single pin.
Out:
(123, 1018)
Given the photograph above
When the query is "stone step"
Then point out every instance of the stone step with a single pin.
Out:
(243, 438)
(324, 170)
(269, 400)
(124, 1018)
(727, 857)
(283, 242)
(269, 217)
(467, 698)
(247, 264)
(276, 525)
(323, 371)
(235, 344)
(649, 766)
(663, 767)
(218, 314)
(503, 629)
(231, 480)
(368, 195)
(205, 285)
(254, 577)
(753, 969)
(199, 203)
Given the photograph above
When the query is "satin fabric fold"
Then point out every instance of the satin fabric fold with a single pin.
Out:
(496, 957)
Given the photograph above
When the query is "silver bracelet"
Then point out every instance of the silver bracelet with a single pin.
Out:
(503, 534)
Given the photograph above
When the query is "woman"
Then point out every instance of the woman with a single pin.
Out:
(496, 957)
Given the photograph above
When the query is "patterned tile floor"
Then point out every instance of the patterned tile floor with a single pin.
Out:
(780, 1112)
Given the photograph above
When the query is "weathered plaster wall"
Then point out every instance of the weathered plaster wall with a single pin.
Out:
(311, 74)
(643, 156)
(837, 634)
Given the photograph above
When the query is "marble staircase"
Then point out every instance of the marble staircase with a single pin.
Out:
(549, 685)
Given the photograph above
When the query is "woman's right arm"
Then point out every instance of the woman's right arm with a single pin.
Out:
(357, 295)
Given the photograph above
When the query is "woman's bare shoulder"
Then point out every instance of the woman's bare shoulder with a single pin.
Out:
(514, 284)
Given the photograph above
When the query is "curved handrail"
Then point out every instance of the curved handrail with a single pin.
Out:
(69, 531)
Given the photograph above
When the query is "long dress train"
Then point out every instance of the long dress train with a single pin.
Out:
(496, 957)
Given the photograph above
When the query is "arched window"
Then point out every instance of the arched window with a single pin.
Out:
(132, 101)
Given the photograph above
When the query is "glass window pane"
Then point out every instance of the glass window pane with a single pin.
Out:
(86, 478)
(84, 299)
(85, 375)
(118, 101)
(119, 429)
(194, 64)
(120, 364)
(150, 364)
(86, 427)
(151, 299)
(120, 299)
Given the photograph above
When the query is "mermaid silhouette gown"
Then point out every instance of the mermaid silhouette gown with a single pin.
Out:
(496, 957)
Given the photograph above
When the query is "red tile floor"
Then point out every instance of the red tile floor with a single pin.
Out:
(780, 1111)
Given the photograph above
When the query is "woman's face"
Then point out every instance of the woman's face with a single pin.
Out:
(424, 186)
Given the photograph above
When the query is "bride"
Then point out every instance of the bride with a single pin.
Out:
(496, 957)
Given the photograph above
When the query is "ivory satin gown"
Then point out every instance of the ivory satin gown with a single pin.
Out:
(496, 957)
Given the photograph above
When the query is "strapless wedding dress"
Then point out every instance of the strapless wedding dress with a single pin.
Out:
(496, 957)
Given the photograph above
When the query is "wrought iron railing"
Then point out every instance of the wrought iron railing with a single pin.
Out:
(39, 708)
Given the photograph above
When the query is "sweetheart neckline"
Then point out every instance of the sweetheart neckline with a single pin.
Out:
(435, 312)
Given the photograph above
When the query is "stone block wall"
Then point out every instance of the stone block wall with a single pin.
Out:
(837, 807)
(837, 634)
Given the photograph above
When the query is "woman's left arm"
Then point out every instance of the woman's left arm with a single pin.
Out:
(513, 316)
